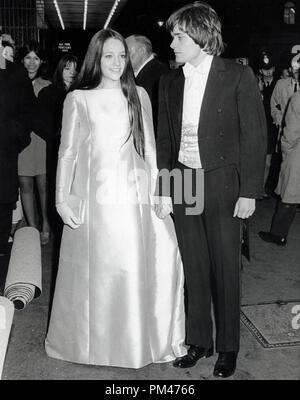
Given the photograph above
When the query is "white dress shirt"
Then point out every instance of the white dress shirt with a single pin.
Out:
(194, 87)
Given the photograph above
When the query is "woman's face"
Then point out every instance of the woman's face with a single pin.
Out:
(112, 62)
(32, 63)
(69, 73)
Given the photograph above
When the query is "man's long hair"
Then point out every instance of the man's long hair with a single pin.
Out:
(90, 77)
(200, 21)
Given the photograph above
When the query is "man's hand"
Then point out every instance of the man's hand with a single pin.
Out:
(244, 208)
(163, 207)
(67, 215)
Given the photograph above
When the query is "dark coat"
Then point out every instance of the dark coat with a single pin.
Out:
(289, 179)
(272, 129)
(50, 107)
(17, 102)
(148, 78)
(232, 125)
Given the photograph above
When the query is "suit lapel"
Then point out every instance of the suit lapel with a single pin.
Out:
(143, 72)
(176, 102)
(215, 82)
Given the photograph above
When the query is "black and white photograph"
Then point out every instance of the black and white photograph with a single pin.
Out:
(149, 193)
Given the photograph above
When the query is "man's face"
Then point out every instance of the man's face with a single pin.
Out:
(267, 73)
(135, 53)
(185, 49)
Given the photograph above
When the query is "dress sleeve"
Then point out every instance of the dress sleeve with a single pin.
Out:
(69, 146)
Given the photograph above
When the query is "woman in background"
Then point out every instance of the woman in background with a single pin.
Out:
(32, 160)
(50, 106)
(118, 298)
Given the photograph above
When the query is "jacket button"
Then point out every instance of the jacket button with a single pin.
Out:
(219, 110)
(222, 158)
(221, 133)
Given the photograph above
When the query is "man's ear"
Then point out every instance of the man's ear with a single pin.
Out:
(143, 50)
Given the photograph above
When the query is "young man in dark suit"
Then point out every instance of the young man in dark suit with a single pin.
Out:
(212, 129)
(147, 69)
(17, 102)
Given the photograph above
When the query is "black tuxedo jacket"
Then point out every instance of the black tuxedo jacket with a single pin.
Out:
(17, 102)
(148, 78)
(232, 124)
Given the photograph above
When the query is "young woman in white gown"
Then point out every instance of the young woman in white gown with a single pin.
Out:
(119, 290)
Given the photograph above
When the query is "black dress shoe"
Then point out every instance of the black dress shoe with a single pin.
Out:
(271, 238)
(193, 355)
(226, 364)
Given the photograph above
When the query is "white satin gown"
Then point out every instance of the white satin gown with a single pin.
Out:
(119, 291)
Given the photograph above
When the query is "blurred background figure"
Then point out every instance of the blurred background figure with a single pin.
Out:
(280, 98)
(285, 73)
(32, 160)
(8, 51)
(6, 42)
(147, 69)
(16, 104)
(266, 84)
(50, 106)
(289, 179)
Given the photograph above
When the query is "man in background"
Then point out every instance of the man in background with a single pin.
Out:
(147, 69)
(282, 93)
(267, 84)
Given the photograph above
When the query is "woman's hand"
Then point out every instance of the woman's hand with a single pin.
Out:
(163, 207)
(67, 215)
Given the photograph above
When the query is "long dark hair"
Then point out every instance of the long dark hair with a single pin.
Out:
(62, 63)
(90, 77)
(37, 49)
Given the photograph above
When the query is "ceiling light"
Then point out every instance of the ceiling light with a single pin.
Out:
(59, 14)
(112, 11)
(85, 13)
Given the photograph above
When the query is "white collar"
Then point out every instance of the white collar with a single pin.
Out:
(202, 68)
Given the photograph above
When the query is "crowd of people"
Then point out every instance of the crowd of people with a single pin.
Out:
(150, 172)
(280, 98)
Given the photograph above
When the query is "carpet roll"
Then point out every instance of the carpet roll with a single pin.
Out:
(24, 277)
(6, 318)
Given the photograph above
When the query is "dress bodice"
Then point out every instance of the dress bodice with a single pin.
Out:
(108, 117)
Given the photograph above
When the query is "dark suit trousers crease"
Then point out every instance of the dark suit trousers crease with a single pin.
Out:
(210, 249)
(283, 218)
